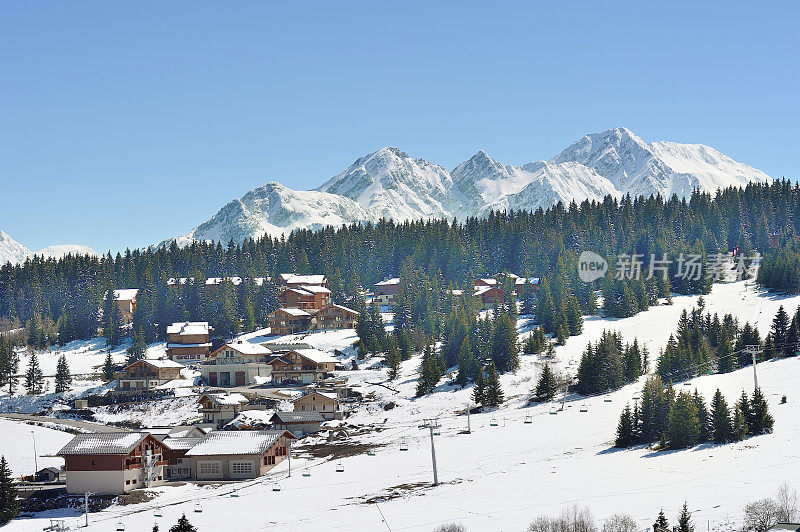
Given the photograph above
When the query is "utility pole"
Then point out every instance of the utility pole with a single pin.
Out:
(86, 506)
(754, 350)
(430, 425)
(35, 458)
(290, 457)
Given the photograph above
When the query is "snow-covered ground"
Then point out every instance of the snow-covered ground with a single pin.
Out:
(501, 477)
(17, 441)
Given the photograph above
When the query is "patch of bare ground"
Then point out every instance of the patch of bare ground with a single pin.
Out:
(337, 450)
(400, 490)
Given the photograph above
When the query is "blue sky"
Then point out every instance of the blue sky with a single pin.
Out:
(127, 123)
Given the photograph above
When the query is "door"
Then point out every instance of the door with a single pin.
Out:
(212, 378)
(239, 378)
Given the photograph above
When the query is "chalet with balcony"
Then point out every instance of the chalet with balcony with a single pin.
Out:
(113, 463)
(385, 291)
(335, 317)
(219, 409)
(302, 366)
(307, 297)
(327, 404)
(288, 321)
(291, 280)
(188, 342)
(237, 363)
(148, 374)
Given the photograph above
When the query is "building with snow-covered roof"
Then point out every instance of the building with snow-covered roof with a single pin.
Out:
(326, 403)
(126, 302)
(147, 374)
(237, 363)
(302, 366)
(288, 321)
(308, 298)
(298, 423)
(188, 342)
(289, 280)
(113, 463)
(335, 316)
(220, 408)
(236, 455)
(490, 296)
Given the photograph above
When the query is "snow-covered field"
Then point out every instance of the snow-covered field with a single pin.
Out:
(16, 444)
(501, 477)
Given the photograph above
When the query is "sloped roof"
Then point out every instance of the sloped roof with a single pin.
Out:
(126, 294)
(341, 307)
(157, 363)
(236, 442)
(292, 311)
(226, 399)
(103, 443)
(181, 443)
(188, 327)
(291, 278)
(389, 282)
(316, 355)
(297, 417)
(323, 394)
(248, 348)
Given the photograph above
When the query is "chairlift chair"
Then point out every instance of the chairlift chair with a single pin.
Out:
(528, 419)
(157, 512)
(584, 408)
(340, 468)
(276, 486)
(120, 526)
(553, 411)
(370, 453)
(493, 422)
(235, 493)
(306, 473)
(403, 446)
(198, 509)
(607, 399)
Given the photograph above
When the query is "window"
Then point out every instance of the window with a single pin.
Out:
(127, 482)
(241, 468)
(269, 460)
(207, 469)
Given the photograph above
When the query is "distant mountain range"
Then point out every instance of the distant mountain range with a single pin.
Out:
(15, 253)
(391, 184)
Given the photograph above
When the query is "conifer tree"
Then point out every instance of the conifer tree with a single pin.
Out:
(780, 330)
(547, 387)
(137, 349)
(702, 416)
(183, 525)
(393, 361)
(63, 378)
(108, 367)
(479, 390)
(626, 435)
(760, 421)
(684, 427)
(493, 396)
(661, 524)
(34, 378)
(9, 506)
(685, 520)
(722, 430)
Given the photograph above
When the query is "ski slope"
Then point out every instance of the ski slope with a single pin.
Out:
(501, 477)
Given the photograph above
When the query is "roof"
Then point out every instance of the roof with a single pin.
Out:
(126, 294)
(389, 282)
(785, 526)
(487, 280)
(248, 348)
(298, 417)
(226, 399)
(342, 307)
(51, 469)
(188, 327)
(290, 278)
(157, 363)
(316, 355)
(315, 289)
(237, 442)
(103, 443)
(218, 280)
(327, 395)
(181, 443)
(293, 311)
(173, 345)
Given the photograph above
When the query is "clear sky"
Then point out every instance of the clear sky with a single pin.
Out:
(124, 123)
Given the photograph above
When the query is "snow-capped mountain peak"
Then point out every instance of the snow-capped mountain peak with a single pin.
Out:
(389, 183)
(11, 250)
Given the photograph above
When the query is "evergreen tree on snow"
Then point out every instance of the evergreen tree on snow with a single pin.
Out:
(493, 396)
(9, 506)
(759, 421)
(722, 430)
(34, 378)
(685, 520)
(183, 525)
(63, 378)
(547, 387)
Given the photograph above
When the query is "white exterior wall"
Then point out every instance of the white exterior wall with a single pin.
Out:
(100, 482)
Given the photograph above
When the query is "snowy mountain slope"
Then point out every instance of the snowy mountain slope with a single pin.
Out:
(11, 250)
(390, 184)
(490, 185)
(638, 168)
(275, 209)
(505, 472)
(62, 250)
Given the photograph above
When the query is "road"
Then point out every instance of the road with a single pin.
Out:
(83, 426)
